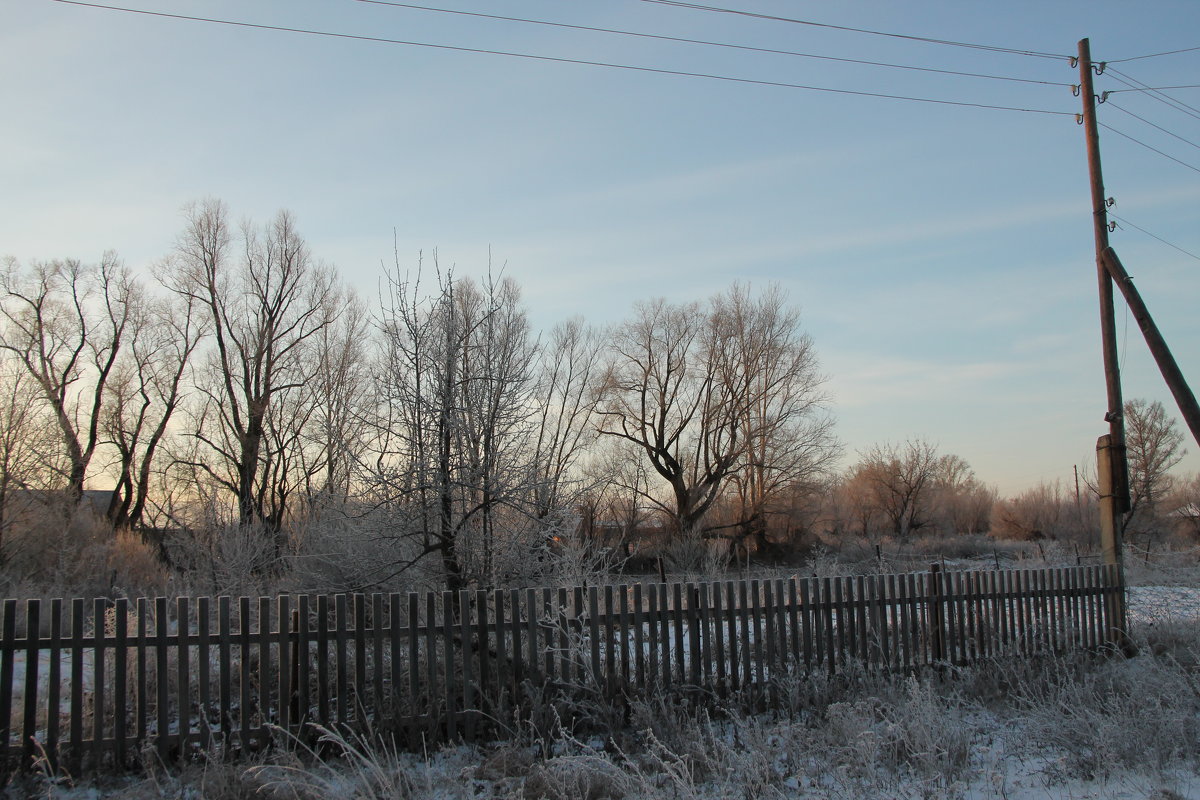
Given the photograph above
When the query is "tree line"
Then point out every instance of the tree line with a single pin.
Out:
(247, 408)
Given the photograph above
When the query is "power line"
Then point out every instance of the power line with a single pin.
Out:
(773, 18)
(1157, 88)
(1153, 236)
(1153, 55)
(559, 60)
(1148, 147)
(1133, 82)
(1151, 124)
(1152, 90)
(708, 43)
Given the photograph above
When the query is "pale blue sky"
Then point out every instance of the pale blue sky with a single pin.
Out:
(942, 255)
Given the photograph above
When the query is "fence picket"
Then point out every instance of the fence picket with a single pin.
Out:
(518, 666)
(359, 691)
(323, 697)
(706, 631)
(184, 673)
(142, 675)
(731, 626)
(54, 688)
(378, 662)
(593, 636)
(609, 650)
(225, 669)
(203, 670)
(623, 634)
(717, 613)
(302, 666)
(450, 677)
(414, 667)
(692, 618)
(162, 696)
(548, 628)
(431, 690)
(468, 668)
(768, 607)
(639, 637)
(33, 611)
(564, 638)
(283, 656)
(341, 659)
(677, 614)
(660, 665)
(120, 612)
(76, 726)
(7, 669)
(793, 610)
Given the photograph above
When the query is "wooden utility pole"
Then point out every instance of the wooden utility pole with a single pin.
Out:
(1110, 544)
(1108, 325)
(1109, 531)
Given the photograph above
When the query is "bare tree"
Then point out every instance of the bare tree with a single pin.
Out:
(709, 395)
(1185, 507)
(614, 503)
(496, 382)
(1154, 444)
(788, 436)
(960, 502)
(454, 454)
(565, 403)
(29, 447)
(145, 390)
(65, 322)
(666, 395)
(266, 306)
(340, 398)
(899, 479)
(854, 509)
(1045, 511)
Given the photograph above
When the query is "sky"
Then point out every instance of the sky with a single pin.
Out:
(941, 255)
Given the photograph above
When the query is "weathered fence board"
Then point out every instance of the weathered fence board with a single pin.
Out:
(96, 690)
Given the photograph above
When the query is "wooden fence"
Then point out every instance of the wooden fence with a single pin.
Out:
(100, 684)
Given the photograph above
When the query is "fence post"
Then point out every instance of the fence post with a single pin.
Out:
(937, 645)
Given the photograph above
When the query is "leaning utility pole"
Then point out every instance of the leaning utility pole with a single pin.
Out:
(1108, 325)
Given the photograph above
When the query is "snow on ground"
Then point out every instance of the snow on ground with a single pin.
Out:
(1155, 604)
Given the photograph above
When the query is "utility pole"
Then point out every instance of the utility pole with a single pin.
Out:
(1079, 499)
(1108, 326)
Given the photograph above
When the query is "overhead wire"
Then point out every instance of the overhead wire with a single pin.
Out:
(1111, 104)
(1153, 55)
(1153, 236)
(1158, 95)
(562, 60)
(1156, 88)
(1158, 92)
(708, 43)
(1192, 167)
(909, 37)
(1133, 83)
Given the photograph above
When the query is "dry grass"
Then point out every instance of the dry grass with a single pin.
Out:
(1083, 726)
